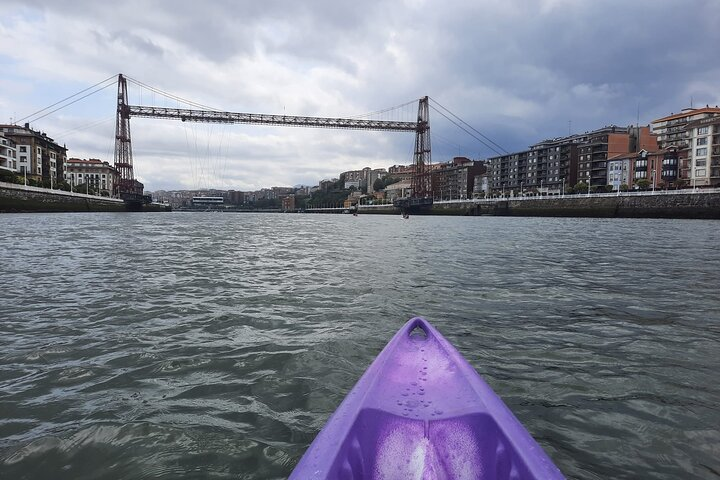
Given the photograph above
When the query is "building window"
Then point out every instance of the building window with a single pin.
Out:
(701, 152)
(700, 162)
(701, 141)
(702, 130)
(23, 149)
(700, 172)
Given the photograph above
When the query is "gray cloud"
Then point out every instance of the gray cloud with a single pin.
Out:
(519, 71)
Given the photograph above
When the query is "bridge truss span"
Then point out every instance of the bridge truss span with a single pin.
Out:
(211, 116)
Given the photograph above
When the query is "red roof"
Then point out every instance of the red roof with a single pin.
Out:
(82, 160)
(688, 113)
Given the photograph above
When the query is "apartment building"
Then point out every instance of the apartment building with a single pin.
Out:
(455, 179)
(703, 153)
(548, 167)
(363, 178)
(38, 156)
(8, 154)
(620, 170)
(551, 166)
(598, 146)
(672, 130)
(96, 174)
(692, 134)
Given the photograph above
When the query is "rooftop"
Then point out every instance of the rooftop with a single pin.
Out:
(689, 112)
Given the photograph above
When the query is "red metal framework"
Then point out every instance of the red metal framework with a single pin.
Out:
(421, 182)
(123, 146)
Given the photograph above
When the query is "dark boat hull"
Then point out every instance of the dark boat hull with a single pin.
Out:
(414, 206)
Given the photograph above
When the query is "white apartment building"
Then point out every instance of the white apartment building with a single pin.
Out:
(672, 130)
(97, 174)
(38, 155)
(704, 152)
(8, 154)
(618, 171)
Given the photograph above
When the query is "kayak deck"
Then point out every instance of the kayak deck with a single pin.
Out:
(421, 411)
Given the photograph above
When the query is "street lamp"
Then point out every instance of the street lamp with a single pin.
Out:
(653, 179)
(589, 181)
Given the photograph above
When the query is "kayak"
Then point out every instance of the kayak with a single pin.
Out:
(421, 411)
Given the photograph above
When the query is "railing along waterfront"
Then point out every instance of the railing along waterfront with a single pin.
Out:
(688, 191)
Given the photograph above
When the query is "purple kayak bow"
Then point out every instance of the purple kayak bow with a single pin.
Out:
(422, 412)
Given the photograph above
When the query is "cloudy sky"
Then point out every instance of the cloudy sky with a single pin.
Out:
(518, 71)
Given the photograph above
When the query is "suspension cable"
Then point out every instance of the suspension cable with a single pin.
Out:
(171, 96)
(472, 128)
(467, 131)
(378, 112)
(68, 98)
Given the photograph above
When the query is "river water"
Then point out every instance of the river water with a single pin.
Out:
(206, 345)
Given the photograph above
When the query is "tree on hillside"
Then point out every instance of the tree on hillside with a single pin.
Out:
(381, 183)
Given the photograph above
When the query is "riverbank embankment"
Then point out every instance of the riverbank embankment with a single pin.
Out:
(660, 204)
(22, 199)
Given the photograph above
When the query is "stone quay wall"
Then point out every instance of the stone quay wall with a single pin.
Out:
(20, 198)
(698, 205)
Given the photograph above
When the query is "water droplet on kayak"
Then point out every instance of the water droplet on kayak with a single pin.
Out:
(422, 393)
(424, 368)
(405, 414)
(413, 383)
(404, 394)
(438, 412)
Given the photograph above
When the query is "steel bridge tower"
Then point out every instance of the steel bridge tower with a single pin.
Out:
(123, 146)
(421, 182)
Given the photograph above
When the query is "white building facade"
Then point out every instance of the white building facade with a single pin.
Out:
(8, 154)
(704, 153)
(618, 172)
(96, 174)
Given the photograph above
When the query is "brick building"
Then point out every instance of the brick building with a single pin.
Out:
(456, 179)
(551, 166)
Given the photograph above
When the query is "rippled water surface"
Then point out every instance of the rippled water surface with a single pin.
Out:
(202, 345)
